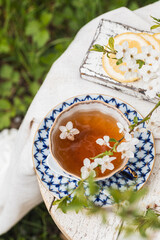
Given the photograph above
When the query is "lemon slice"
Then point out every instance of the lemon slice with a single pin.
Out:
(151, 40)
(109, 65)
(157, 36)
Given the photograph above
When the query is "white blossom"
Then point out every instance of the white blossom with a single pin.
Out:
(105, 163)
(130, 55)
(68, 131)
(103, 141)
(121, 49)
(127, 148)
(147, 53)
(88, 168)
(147, 72)
(124, 148)
(131, 141)
(122, 128)
(131, 70)
(153, 123)
(152, 88)
(154, 58)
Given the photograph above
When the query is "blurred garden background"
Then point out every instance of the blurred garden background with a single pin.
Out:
(33, 34)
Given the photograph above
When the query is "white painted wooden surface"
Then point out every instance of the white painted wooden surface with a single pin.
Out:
(82, 227)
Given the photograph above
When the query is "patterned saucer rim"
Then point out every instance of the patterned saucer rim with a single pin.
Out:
(91, 95)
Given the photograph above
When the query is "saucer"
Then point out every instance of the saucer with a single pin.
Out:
(142, 163)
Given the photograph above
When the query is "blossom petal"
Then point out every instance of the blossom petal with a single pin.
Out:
(99, 161)
(106, 140)
(106, 158)
(110, 166)
(105, 166)
(123, 68)
(86, 162)
(119, 55)
(62, 128)
(74, 131)
(69, 125)
(100, 141)
(128, 137)
(125, 45)
(118, 47)
(93, 165)
(135, 141)
(84, 172)
(120, 126)
(112, 158)
(70, 136)
(63, 135)
(129, 154)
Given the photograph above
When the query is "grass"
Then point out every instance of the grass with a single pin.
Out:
(36, 225)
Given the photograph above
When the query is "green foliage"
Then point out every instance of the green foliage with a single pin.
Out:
(33, 34)
(157, 23)
(119, 61)
(140, 62)
(93, 187)
(135, 120)
(98, 48)
(133, 218)
(75, 201)
(111, 43)
(112, 140)
(36, 225)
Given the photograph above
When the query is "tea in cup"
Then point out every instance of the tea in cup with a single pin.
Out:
(74, 137)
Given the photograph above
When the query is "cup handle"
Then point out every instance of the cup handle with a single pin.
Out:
(128, 173)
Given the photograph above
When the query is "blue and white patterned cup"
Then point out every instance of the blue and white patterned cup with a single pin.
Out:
(106, 108)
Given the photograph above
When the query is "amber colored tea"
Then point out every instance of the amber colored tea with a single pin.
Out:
(92, 125)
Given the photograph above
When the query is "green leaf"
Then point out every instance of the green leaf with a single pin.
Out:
(92, 185)
(136, 196)
(115, 147)
(6, 71)
(112, 140)
(155, 26)
(109, 153)
(135, 120)
(33, 88)
(131, 126)
(41, 37)
(97, 48)
(140, 62)
(32, 28)
(77, 204)
(6, 88)
(129, 195)
(46, 18)
(19, 105)
(133, 6)
(62, 204)
(111, 43)
(15, 77)
(4, 46)
(5, 121)
(156, 19)
(119, 61)
(4, 104)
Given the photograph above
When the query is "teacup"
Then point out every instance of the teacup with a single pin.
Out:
(92, 120)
